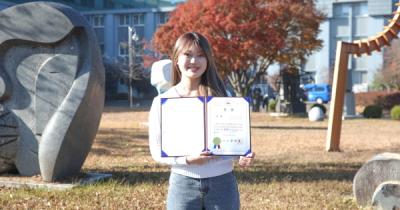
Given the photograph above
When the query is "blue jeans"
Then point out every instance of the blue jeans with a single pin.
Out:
(220, 193)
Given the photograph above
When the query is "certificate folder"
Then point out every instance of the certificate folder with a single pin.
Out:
(190, 125)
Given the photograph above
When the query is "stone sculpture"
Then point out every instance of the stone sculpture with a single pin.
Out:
(387, 196)
(161, 75)
(51, 90)
(382, 168)
(316, 114)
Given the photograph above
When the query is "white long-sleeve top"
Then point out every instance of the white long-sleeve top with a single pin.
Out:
(218, 166)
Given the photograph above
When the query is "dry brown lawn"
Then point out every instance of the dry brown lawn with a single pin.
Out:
(292, 169)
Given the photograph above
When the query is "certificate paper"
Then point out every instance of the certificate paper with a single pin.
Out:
(182, 126)
(228, 130)
(195, 124)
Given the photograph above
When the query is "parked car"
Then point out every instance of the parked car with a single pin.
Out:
(320, 93)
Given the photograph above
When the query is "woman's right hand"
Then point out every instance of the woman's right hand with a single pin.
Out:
(200, 159)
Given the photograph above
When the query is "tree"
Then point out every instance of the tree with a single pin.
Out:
(117, 69)
(247, 36)
(389, 76)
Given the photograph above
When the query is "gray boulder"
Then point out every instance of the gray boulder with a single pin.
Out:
(381, 168)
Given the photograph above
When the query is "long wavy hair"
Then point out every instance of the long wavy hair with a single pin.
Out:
(210, 82)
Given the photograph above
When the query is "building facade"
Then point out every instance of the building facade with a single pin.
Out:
(111, 27)
(347, 20)
(350, 20)
(111, 18)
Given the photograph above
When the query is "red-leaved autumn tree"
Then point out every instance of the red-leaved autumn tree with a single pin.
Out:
(389, 76)
(246, 36)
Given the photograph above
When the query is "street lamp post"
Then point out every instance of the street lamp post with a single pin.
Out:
(132, 36)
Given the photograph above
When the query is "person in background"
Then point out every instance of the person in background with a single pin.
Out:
(257, 99)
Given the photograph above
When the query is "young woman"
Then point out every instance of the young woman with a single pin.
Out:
(201, 181)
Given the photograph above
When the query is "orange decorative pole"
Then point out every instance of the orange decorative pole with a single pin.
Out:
(343, 50)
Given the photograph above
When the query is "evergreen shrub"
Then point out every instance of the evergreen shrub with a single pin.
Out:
(372, 111)
(272, 105)
(395, 112)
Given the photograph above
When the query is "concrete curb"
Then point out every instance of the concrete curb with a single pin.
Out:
(29, 182)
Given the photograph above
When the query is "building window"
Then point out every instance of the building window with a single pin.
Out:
(360, 77)
(361, 62)
(109, 4)
(123, 49)
(341, 10)
(101, 46)
(87, 3)
(124, 20)
(360, 26)
(341, 27)
(360, 9)
(98, 21)
(163, 18)
(138, 19)
(138, 49)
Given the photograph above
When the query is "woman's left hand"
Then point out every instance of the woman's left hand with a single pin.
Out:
(245, 161)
